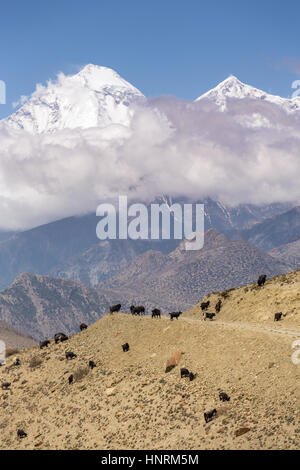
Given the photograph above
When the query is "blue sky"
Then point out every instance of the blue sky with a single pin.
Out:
(172, 47)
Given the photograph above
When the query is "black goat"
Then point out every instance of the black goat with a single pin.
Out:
(175, 315)
(209, 316)
(155, 313)
(218, 306)
(278, 316)
(184, 372)
(224, 397)
(70, 355)
(262, 280)
(5, 385)
(125, 347)
(44, 344)
(205, 305)
(209, 416)
(115, 308)
(92, 365)
(71, 379)
(140, 310)
(60, 338)
(21, 434)
(83, 326)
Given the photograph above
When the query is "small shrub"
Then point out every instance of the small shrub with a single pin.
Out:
(168, 369)
(80, 373)
(35, 361)
(11, 351)
(225, 293)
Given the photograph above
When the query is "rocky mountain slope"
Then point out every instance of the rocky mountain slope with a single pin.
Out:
(104, 259)
(129, 402)
(40, 249)
(178, 280)
(275, 231)
(288, 253)
(69, 248)
(42, 306)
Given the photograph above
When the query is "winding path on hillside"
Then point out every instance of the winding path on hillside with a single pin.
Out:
(249, 326)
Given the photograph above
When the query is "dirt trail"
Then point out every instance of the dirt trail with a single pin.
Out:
(249, 326)
(242, 325)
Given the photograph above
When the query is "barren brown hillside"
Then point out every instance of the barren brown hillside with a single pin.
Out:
(255, 304)
(129, 402)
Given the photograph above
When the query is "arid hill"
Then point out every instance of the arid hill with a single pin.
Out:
(253, 304)
(289, 253)
(178, 280)
(129, 402)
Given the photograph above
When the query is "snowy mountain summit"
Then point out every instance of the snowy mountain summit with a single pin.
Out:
(95, 97)
(232, 88)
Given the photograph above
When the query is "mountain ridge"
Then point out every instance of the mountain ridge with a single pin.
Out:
(95, 97)
(41, 305)
(233, 88)
(69, 248)
(176, 281)
(98, 96)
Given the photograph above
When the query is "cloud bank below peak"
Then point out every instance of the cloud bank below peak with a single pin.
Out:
(248, 154)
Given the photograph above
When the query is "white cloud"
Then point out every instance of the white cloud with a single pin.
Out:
(173, 147)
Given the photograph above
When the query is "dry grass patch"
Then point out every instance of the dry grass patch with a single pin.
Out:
(11, 351)
(35, 361)
(80, 373)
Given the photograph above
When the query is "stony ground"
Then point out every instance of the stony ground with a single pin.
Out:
(129, 402)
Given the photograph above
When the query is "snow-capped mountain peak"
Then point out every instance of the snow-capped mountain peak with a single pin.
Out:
(233, 88)
(94, 97)
(97, 77)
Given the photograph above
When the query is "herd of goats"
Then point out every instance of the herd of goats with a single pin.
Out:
(140, 310)
(156, 313)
